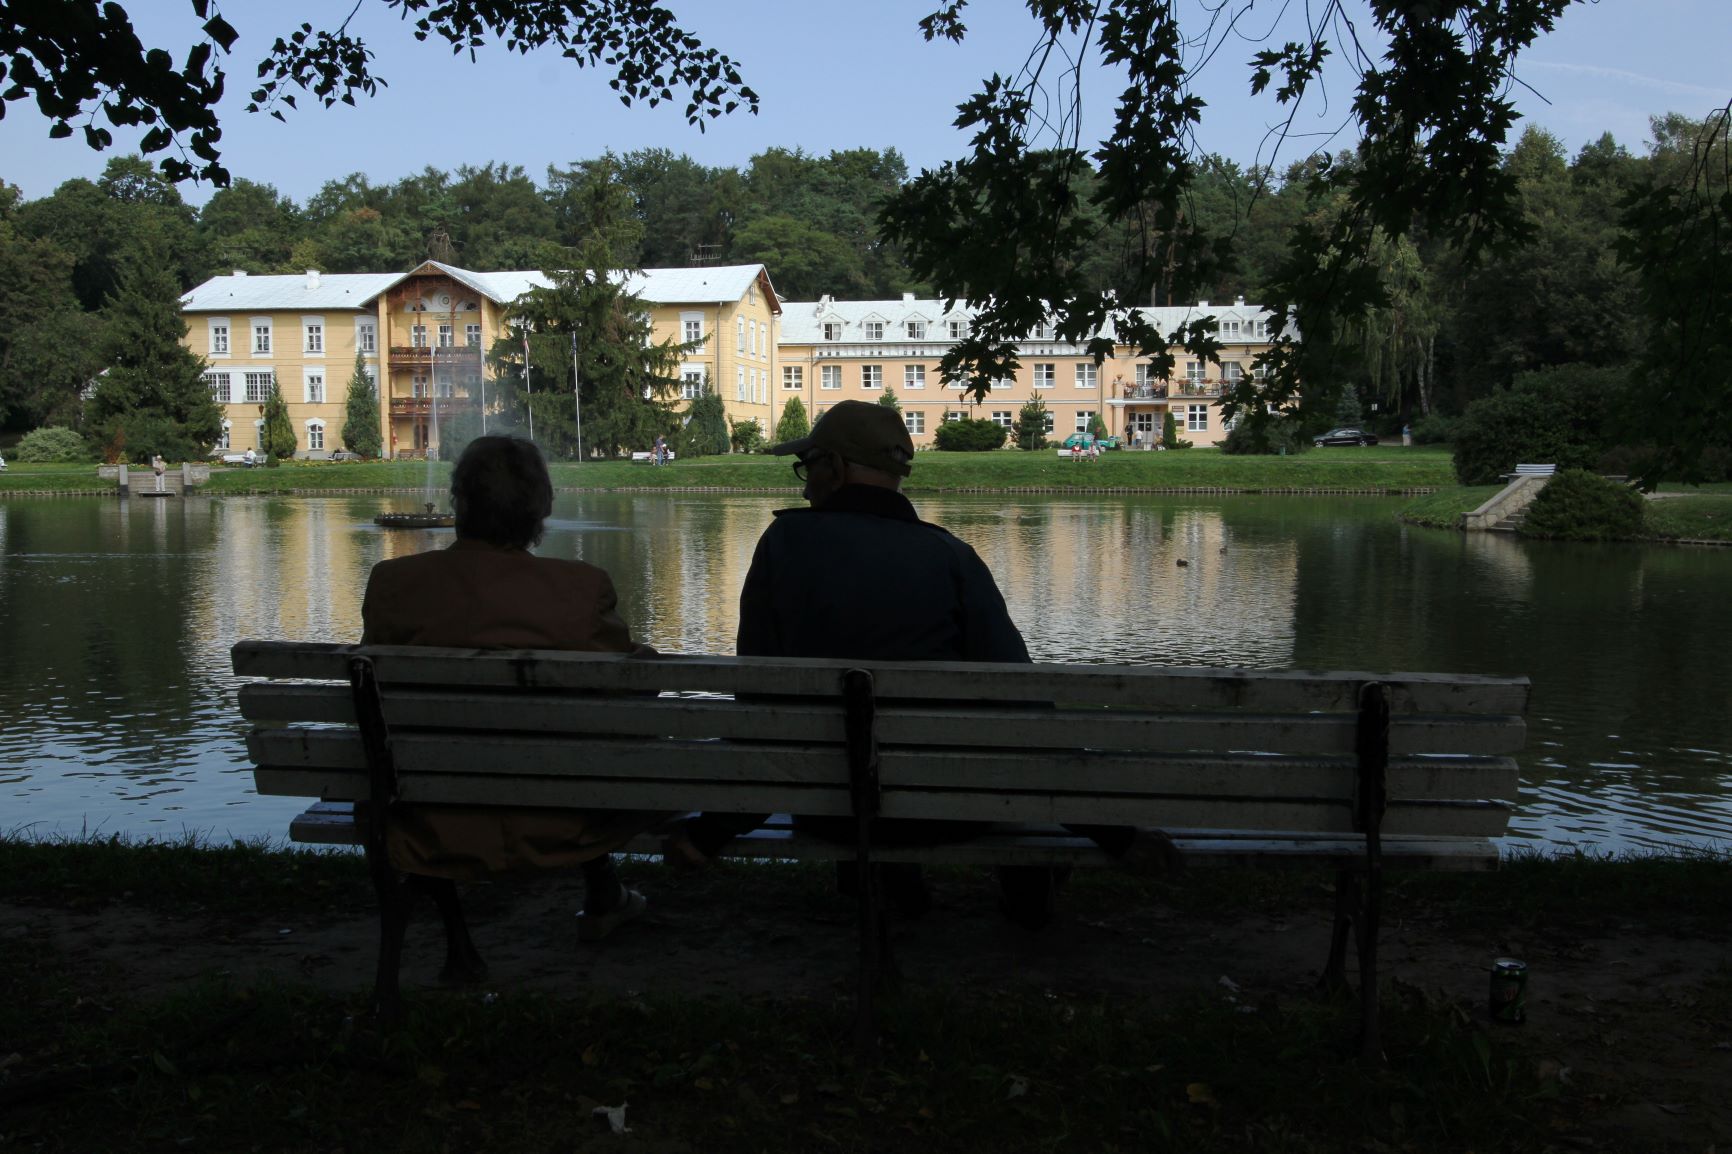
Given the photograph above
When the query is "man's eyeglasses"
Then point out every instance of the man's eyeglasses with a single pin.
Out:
(803, 465)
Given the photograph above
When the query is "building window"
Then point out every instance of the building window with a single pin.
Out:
(958, 330)
(1042, 332)
(1260, 330)
(313, 334)
(752, 337)
(832, 330)
(1045, 375)
(1229, 330)
(872, 376)
(874, 330)
(691, 384)
(262, 336)
(418, 386)
(691, 328)
(953, 383)
(916, 330)
(315, 435)
(739, 334)
(219, 336)
(1004, 383)
(445, 336)
(223, 437)
(1146, 378)
(739, 384)
(418, 337)
(1003, 417)
(1194, 373)
(1087, 375)
(1232, 372)
(472, 336)
(259, 386)
(1083, 417)
(914, 376)
(954, 416)
(915, 420)
(1048, 421)
(218, 383)
(1196, 418)
(367, 336)
(793, 377)
(830, 376)
(315, 387)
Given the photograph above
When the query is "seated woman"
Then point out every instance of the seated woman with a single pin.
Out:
(487, 591)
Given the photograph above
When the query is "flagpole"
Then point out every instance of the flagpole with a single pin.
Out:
(528, 395)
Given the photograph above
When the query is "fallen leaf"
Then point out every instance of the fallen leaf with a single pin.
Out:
(613, 1117)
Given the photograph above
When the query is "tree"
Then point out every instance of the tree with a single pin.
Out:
(889, 400)
(361, 413)
(1029, 431)
(1097, 427)
(793, 424)
(706, 427)
(152, 398)
(278, 436)
(625, 380)
(745, 436)
(82, 61)
(1562, 416)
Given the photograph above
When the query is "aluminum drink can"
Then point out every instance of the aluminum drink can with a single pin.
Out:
(1509, 990)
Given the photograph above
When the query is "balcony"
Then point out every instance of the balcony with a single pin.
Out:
(423, 406)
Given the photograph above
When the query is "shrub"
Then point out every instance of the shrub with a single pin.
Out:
(52, 444)
(1436, 429)
(1029, 432)
(1555, 416)
(793, 424)
(1265, 437)
(1169, 430)
(1581, 506)
(706, 428)
(746, 436)
(968, 436)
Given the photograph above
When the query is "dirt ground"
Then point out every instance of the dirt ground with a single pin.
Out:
(1639, 1024)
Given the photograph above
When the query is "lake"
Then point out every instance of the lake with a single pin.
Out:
(116, 617)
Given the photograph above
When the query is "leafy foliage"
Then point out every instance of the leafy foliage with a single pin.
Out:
(1578, 505)
(745, 436)
(1553, 417)
(361, 413)
(1029, 431)
(1265, 434)
(81, 59)
(968, 436)
(793, 424)
(52, 444)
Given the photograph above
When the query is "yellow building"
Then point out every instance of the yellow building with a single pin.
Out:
(833, 350)
(422, 336)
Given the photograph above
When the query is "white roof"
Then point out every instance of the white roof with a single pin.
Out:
(722, 284)
(802, 321)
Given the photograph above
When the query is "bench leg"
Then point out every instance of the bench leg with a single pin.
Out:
(1370, 1040)
(1334, 978)
(463, 964)
(393, 920)
(873, 942)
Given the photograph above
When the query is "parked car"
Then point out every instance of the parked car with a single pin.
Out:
(1078, 441)
(1347, 436)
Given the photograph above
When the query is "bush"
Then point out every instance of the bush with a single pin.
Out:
(1556, 416)
(1029, 432)
(966, 436)
(1436, 429)
(746, 437)
(1581, 506)
(52, 444)
(793, 424)
(1268, 437)
(706, 429)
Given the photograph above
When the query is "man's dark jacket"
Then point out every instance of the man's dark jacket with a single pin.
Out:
(863, 576)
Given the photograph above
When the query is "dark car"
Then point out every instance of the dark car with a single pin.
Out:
(1345, 437)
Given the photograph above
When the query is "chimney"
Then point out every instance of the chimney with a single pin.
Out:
(1240, 301)
(1202, 304)
(907, 298)
(240, 272)
(312, 278)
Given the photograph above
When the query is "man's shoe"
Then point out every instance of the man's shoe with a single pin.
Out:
(595, 927)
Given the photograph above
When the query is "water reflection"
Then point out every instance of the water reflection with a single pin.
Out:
(116, 618)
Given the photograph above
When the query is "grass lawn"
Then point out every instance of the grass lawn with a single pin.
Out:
(1703, 516)
(23, 478)
(1444, 508)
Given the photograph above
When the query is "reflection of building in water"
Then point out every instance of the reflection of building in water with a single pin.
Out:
(294, 570)
(1098, 581)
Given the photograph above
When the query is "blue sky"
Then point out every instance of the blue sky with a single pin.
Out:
(831, 75)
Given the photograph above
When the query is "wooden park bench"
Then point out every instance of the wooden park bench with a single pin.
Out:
(1356, 771)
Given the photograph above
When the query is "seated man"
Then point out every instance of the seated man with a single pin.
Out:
(488, 591)
(820, 585)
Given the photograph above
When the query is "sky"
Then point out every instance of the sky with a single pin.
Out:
(831, 75)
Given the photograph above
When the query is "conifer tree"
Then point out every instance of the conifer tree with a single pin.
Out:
(361, 414)
(793, 424)
(706, 430)
(279, 433)
(889, 399)
(1029, 432)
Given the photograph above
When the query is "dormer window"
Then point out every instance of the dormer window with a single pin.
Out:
(958, 330)
(874, 330)
(832, 330)
(1042, 332)
(916, 330)
(1230, 330)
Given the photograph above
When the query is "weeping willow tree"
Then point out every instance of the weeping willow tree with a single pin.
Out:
(1398, 338)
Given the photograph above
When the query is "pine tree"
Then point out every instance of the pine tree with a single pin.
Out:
(152, 398)
(1029, 432)
(793, 424)
(279, 435)
(706, 431)
(361, 414)
(1169, 430)
(889, 399)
